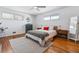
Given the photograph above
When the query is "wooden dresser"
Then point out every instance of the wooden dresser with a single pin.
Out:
(62, 33)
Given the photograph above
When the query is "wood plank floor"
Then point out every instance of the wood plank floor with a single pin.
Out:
(6, 46)
(61, 45)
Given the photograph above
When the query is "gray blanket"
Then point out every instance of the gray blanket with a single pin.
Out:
(40, 34)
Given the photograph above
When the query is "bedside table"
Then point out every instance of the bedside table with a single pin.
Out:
(62, 33)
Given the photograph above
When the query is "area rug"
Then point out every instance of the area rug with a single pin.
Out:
(25, 45)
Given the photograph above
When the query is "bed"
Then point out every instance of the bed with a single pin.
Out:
(41, 36)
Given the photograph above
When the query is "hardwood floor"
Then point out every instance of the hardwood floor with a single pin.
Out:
(6, 46)
(61, 45)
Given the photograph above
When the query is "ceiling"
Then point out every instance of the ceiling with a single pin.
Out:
(31, 10)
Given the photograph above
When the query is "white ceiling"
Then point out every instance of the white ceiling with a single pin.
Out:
(29, 10)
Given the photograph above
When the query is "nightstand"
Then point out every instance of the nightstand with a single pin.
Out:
(62, 33)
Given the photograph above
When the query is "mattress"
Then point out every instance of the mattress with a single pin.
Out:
(51, 33)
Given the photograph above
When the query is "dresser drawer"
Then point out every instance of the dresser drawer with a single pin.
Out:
(62, 33)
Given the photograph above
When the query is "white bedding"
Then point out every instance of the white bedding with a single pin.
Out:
(51, 33)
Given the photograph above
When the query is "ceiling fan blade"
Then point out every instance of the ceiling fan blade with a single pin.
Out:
(41, 6)
(37, 8)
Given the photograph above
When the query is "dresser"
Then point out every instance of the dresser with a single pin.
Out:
(62, 33)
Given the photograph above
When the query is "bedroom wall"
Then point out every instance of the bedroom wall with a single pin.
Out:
(64, 20)
(17, 26)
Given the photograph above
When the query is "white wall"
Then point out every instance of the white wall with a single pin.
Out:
(14, 25)
(34, 21)
(18, 25)
(64, 20)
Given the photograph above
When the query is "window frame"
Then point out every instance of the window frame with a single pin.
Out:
(13, 18)
(47, 17)
(6, 18)
(18, 18)
(53, 17)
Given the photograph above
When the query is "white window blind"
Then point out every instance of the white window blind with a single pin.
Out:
(7, 16)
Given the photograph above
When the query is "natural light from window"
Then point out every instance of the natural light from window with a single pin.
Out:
(10, 16)
(18, 17)
(7, 16)
(54, 17)
(47, 18)
(51, 17)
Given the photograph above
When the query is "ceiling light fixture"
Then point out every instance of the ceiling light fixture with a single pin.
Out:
(35, 7)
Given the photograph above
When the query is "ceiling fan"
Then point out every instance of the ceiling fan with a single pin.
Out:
(37, 8)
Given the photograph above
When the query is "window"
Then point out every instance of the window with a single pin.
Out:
(54, 17)
(11, 16)
(47, 18)
(7, 16)
(18, 17)
(51, 17)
